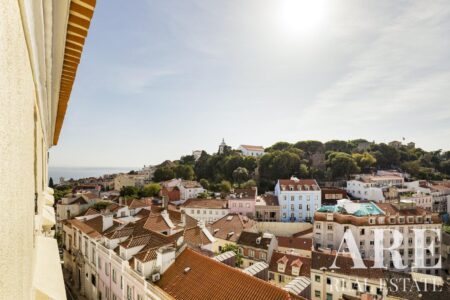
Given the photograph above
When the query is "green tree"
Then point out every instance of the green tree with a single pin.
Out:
(310, 147)
(204, 183)
(235, 249)
(445, 166)
(163, 173)
(184, 171)
(50, 183)
(341, 165)
(188, 160)
(129, 191)
(386, 156)
(279, 146)
(150, 190)
(240, 175)
(338, 146)
(303, 171)
(225, 186)
(249, 184)
(365, 160)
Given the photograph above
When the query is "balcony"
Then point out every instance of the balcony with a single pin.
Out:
(48, 279)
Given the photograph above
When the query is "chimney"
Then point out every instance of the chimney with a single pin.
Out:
(107, 220)
(201, 224)
(165, 256)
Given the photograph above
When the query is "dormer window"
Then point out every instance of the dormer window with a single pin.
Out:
(401, 220)
(295, 271)
(282, 264)
(291, 188)
(392, 220)
(371, 220)
(410, 219)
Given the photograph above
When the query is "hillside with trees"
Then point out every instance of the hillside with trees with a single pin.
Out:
(331, 161)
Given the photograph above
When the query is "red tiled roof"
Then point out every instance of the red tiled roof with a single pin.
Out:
(345, 265)
(230, 223)
(295, 243)
(210, 279)
(253, 148)
(156, 223)
(206, 203)
(298, 185)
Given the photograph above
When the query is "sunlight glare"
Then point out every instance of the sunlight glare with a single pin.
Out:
(300, 17)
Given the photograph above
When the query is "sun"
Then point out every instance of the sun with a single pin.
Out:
(300, 17)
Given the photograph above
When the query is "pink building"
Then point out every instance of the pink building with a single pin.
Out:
(243, 201)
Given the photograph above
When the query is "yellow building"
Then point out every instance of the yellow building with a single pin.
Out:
(40, 47)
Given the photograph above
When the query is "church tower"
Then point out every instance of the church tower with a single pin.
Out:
(222, 147)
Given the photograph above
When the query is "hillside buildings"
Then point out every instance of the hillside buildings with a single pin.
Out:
(41, 46)
(242, 201)
(188, 189)
(373, 187)
(206, 210)
(298, 198)
(227, 230)
(255, 247)
(267, 208)
(249, 150)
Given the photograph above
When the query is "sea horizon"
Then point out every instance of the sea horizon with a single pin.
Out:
(84, 172)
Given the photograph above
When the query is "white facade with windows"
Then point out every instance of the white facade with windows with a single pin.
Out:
(298, 199)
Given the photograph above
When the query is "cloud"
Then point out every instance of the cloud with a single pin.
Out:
(402, 74)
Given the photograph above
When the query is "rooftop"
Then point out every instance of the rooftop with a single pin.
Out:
(194, 276)
(206, 203)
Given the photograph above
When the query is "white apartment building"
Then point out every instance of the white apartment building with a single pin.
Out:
(298, 198)
(189, 189)
(371, 187)
(206, 210)
(422, 200)
(249, 150)
(39, 56)
(331, 222)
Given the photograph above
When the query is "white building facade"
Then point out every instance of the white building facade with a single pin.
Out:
(298, 199)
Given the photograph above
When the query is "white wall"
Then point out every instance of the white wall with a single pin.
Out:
(17, 184)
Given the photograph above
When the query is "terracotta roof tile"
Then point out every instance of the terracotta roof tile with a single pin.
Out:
(206, 203)
(230, 223)
(295, 243)
(210, 279)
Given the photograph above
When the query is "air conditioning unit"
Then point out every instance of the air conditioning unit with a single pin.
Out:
(156, 277)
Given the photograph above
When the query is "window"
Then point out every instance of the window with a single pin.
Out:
(99, 263)
(93, 280)
(114, 275)
(251, 253)
(129, 292)
(362, 231)
(292, 198)
(106, 269)
(262, 255)
(317, 226)
(317, 278)
(328, 280)
(379, 291)
(299, 206)
(354, 286)
(317, 294)
(330, 227)
(192, 211)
